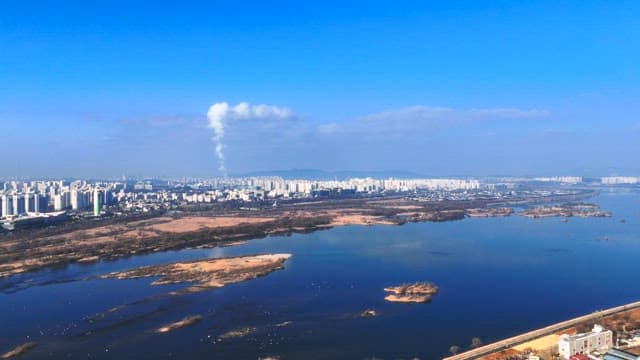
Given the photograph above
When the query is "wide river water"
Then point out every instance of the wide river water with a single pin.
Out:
(498, 277)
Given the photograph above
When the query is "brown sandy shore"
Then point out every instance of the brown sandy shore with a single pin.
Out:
(208, 273)
(91, 241)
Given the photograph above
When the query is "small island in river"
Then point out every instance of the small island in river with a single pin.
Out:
(419, 292)
(18, 350)
(208, 273)
(489, 212)
(189, 320)
(566, 210)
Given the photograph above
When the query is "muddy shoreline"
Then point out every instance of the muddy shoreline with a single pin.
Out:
(26, 251)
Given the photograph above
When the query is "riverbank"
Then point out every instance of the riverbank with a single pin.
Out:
(89, 242)
(180, 230)
(494, 351)
(164, 233)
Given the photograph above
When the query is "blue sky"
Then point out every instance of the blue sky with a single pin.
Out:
(439, 88)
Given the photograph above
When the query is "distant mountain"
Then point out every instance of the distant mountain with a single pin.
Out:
(316, 174)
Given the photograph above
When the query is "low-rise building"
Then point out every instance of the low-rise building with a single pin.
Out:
(598, 339)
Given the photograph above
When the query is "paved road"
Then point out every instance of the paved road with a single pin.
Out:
(522, 338)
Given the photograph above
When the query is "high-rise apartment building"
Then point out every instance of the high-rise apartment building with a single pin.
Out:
(18, 204)
(96, 202)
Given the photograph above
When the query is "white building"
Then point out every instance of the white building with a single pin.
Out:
(61, 201)
(561, 179)
(615, 180)
(79, 198)
(598, 339)
(18, 204)
(7, 206)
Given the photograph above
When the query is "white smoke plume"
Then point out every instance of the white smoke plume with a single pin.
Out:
(220, 114)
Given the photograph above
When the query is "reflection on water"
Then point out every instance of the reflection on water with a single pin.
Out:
(497, 277)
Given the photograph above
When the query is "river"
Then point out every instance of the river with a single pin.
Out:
(497, 277)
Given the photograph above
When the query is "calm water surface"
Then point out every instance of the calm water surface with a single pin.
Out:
(498, 277)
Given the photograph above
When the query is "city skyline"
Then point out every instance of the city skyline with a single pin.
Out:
(45, 200)
(455, 89)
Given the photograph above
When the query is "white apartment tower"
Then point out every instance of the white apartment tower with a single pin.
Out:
(77, 199)
(18, 204)
(32, 203)
(7, 206)
(29, 202)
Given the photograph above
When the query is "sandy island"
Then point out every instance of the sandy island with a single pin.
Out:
(208, 273)
(189, 320)
(238, 333)
(18, 350)
(368, 313)
(419, 292)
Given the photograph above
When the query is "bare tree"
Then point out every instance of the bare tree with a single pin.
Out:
(454, 349)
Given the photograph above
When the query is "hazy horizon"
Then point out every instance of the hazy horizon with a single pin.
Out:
(320, 174)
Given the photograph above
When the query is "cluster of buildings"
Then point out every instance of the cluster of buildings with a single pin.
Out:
(20, 200)
(560, 179)
(22, 203)
(38, 198)
(279, 186)
(574, 180)
(620, 180)
(29, 200)
(273, 188)
(597, 344)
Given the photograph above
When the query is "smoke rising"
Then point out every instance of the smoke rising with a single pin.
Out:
(220, 114)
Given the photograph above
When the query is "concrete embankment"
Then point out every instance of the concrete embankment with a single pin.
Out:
(522, 338)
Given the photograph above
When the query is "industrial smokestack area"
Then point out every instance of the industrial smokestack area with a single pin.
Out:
(221, 116)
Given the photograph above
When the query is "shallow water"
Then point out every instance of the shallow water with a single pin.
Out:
(497, 277)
